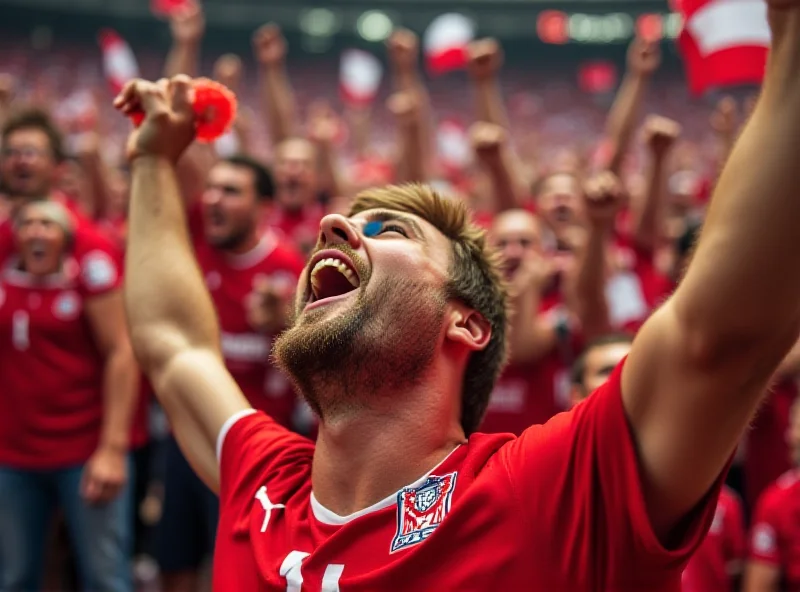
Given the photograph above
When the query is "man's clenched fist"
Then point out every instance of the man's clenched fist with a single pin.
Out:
(269, 45)
(169, 123)
(660, 134)
(644, 57)
(188, 24)
(403, 46)
(485, 58)
(487, 139)
(604, 195)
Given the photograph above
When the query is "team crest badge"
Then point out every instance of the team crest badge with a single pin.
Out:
(421, 509)
(67, 306)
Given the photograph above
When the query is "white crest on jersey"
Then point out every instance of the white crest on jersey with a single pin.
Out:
(764, 539)
(268, 506)
(98, 271)
(66, 306)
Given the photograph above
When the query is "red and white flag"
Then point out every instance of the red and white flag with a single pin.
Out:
(360, 75)
(446, 41)
(119, 63)
(453, 145)
(165, 8)
(724, 42)
(77, 113)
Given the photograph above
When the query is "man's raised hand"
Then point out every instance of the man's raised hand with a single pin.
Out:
(485, 58)
(188, 24)
(604, 196)
(660, 134)
(487, 140)
(403, 46)
(169, 123)
(269, 45)
(644, 57)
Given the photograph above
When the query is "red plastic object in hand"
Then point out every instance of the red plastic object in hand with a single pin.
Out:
(214, 108)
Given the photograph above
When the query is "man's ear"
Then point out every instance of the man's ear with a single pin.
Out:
(468, 327)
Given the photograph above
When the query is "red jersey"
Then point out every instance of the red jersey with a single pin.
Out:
(775, 536)
(230, 280)
(720, 557)
(51, 371)
(559, 508)
(527, 394)
(767, 455)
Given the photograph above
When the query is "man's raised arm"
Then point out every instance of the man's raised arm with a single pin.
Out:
(699, 366)
(174, 331)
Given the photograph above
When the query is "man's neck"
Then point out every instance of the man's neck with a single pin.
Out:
(245, 246)
(366, 457)
(16, 202)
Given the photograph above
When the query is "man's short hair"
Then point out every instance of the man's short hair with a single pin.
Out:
(578, 369)
(39, 120)
(262, 177)
(55, 212)
(475, 280)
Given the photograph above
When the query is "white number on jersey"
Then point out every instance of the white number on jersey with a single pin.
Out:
(291, 569)
(20, 330)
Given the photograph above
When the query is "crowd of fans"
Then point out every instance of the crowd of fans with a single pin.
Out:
(593, 236)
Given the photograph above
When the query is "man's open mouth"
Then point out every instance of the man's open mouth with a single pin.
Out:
(333, 275)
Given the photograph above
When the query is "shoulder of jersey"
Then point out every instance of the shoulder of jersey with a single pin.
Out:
(730, 494)
(285, 250)
(788, 480)
(89, 236)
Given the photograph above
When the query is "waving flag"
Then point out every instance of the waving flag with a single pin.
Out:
(446, 41)
(165, 8)
(453, 145)
(119, 63)
(360, 76)
(724, 42)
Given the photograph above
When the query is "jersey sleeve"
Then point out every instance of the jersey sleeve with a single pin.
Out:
(765, 535)
(577, 476)
(252, 449)
(100, 261)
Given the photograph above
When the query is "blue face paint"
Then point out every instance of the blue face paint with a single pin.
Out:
(372, 228)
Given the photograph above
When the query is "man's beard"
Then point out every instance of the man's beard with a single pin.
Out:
(382, 344)
(233, 240)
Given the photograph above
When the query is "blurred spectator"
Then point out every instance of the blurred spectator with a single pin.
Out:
(532, 388)
(717, 564)
(69, 376)
(596, 362)
(774, 563)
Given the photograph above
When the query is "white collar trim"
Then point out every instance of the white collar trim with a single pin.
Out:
(324, 515)
(256, 255)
